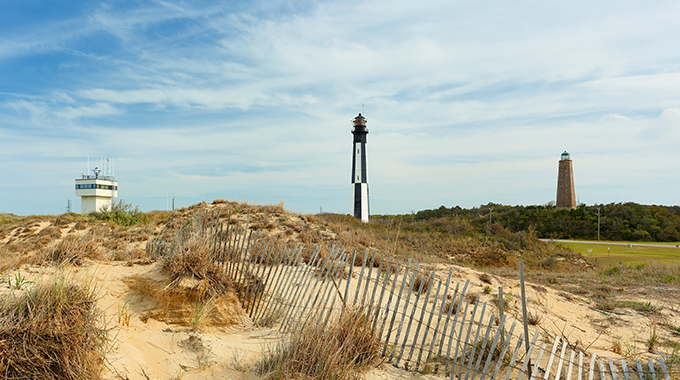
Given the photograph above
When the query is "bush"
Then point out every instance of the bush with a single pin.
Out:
(51, 331)
(341, 350)
(121, 213)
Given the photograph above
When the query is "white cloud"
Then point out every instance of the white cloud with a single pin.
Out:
(467, 102)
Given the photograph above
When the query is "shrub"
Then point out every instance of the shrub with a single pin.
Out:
(341, 349)
(121, 213)
(73, 249)
(51, 331)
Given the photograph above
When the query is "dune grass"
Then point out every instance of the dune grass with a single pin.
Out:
(52, 330)
(342, 349)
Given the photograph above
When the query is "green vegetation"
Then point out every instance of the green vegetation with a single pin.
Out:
(121, 213)
(449, 239)
(618, 221)
(612, 254)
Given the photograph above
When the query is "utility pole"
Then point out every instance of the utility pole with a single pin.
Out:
(598, 223)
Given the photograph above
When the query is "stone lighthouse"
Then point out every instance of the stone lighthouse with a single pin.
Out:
(359, 178)
(566, 196)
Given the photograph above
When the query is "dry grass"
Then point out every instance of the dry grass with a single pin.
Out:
(534, 318)
(341, 349)
(51, 331)
(421, 283)
(189, 289)
(73, 249)
(195, 260)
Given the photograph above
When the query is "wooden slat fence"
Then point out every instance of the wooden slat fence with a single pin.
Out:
(425, 322)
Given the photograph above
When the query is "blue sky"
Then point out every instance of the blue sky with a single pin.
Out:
(468, 102)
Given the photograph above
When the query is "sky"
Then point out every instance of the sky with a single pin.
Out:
(467, 102)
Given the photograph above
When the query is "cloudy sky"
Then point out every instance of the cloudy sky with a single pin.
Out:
(468, 102)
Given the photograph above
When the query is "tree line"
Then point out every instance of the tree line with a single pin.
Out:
(617, 221)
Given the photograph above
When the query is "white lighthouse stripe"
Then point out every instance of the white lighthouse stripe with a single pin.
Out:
(364, 202)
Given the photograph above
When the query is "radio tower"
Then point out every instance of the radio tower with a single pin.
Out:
(359, 178)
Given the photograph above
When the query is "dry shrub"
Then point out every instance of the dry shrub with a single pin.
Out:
(491, 257)
(484, 277)
(534, 318)
(448, 305)
(51, 331)
(190, 288)
(341, 349)
(73, 249)
(196, 261)
(51, 232)
(421, 280)
(184, 302)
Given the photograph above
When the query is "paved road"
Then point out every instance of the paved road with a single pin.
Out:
(612, 243)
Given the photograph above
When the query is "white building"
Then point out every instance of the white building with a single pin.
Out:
(96, 191)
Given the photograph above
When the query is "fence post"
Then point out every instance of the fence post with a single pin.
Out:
(524, 306)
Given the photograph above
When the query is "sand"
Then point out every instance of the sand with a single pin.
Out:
(146, 348)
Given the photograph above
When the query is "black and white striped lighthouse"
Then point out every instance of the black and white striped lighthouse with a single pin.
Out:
(359, 177)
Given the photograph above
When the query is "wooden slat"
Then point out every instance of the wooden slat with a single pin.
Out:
(396, 307)
(429, 322)
(448, 318)
(458, 336)
(368, 277)
(301, 290)
(422, 318)
(474, 344)
(323, 292)
(289, 279)
(527, 357)
(591, 371)
(513, 358)
(388, 275)
(403, 313)
(626, 375)
(377, 282)
(560, 363)
(465, 343)
(602, 371)
(361, 277)
(548, 368)
(505, 344)
(312, 293)
(328, 288)
(265, 283)
(641, 372)
(413, 313)
(441, 311)
(281, 270)
(537, 364)
(280, 256)
(651, 369)
(664, 369)
(571, 364)
(389, 302)
(349, 277)
(480, 355)
(612, 369)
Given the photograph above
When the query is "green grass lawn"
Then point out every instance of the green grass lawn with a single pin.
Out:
(614, 254)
